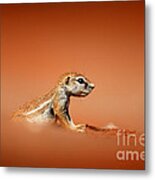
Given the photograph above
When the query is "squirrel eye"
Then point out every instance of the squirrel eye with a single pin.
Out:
(81, 81)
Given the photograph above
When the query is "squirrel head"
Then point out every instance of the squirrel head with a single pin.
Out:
(76, 84)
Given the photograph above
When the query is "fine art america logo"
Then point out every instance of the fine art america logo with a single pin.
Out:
(129, 145)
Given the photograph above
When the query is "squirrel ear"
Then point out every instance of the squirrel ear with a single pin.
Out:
(67, 80)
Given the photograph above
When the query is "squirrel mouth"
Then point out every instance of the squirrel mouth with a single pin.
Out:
(84, 93)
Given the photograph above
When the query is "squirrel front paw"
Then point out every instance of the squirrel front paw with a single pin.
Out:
(81, 128)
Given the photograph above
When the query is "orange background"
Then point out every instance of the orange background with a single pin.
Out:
(39, 42)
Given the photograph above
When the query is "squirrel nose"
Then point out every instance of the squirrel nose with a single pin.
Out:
(91, 85)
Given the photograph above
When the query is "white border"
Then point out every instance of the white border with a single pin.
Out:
(70, 174)
(29, 1)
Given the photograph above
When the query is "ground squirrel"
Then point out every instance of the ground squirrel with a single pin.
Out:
(54, 105)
